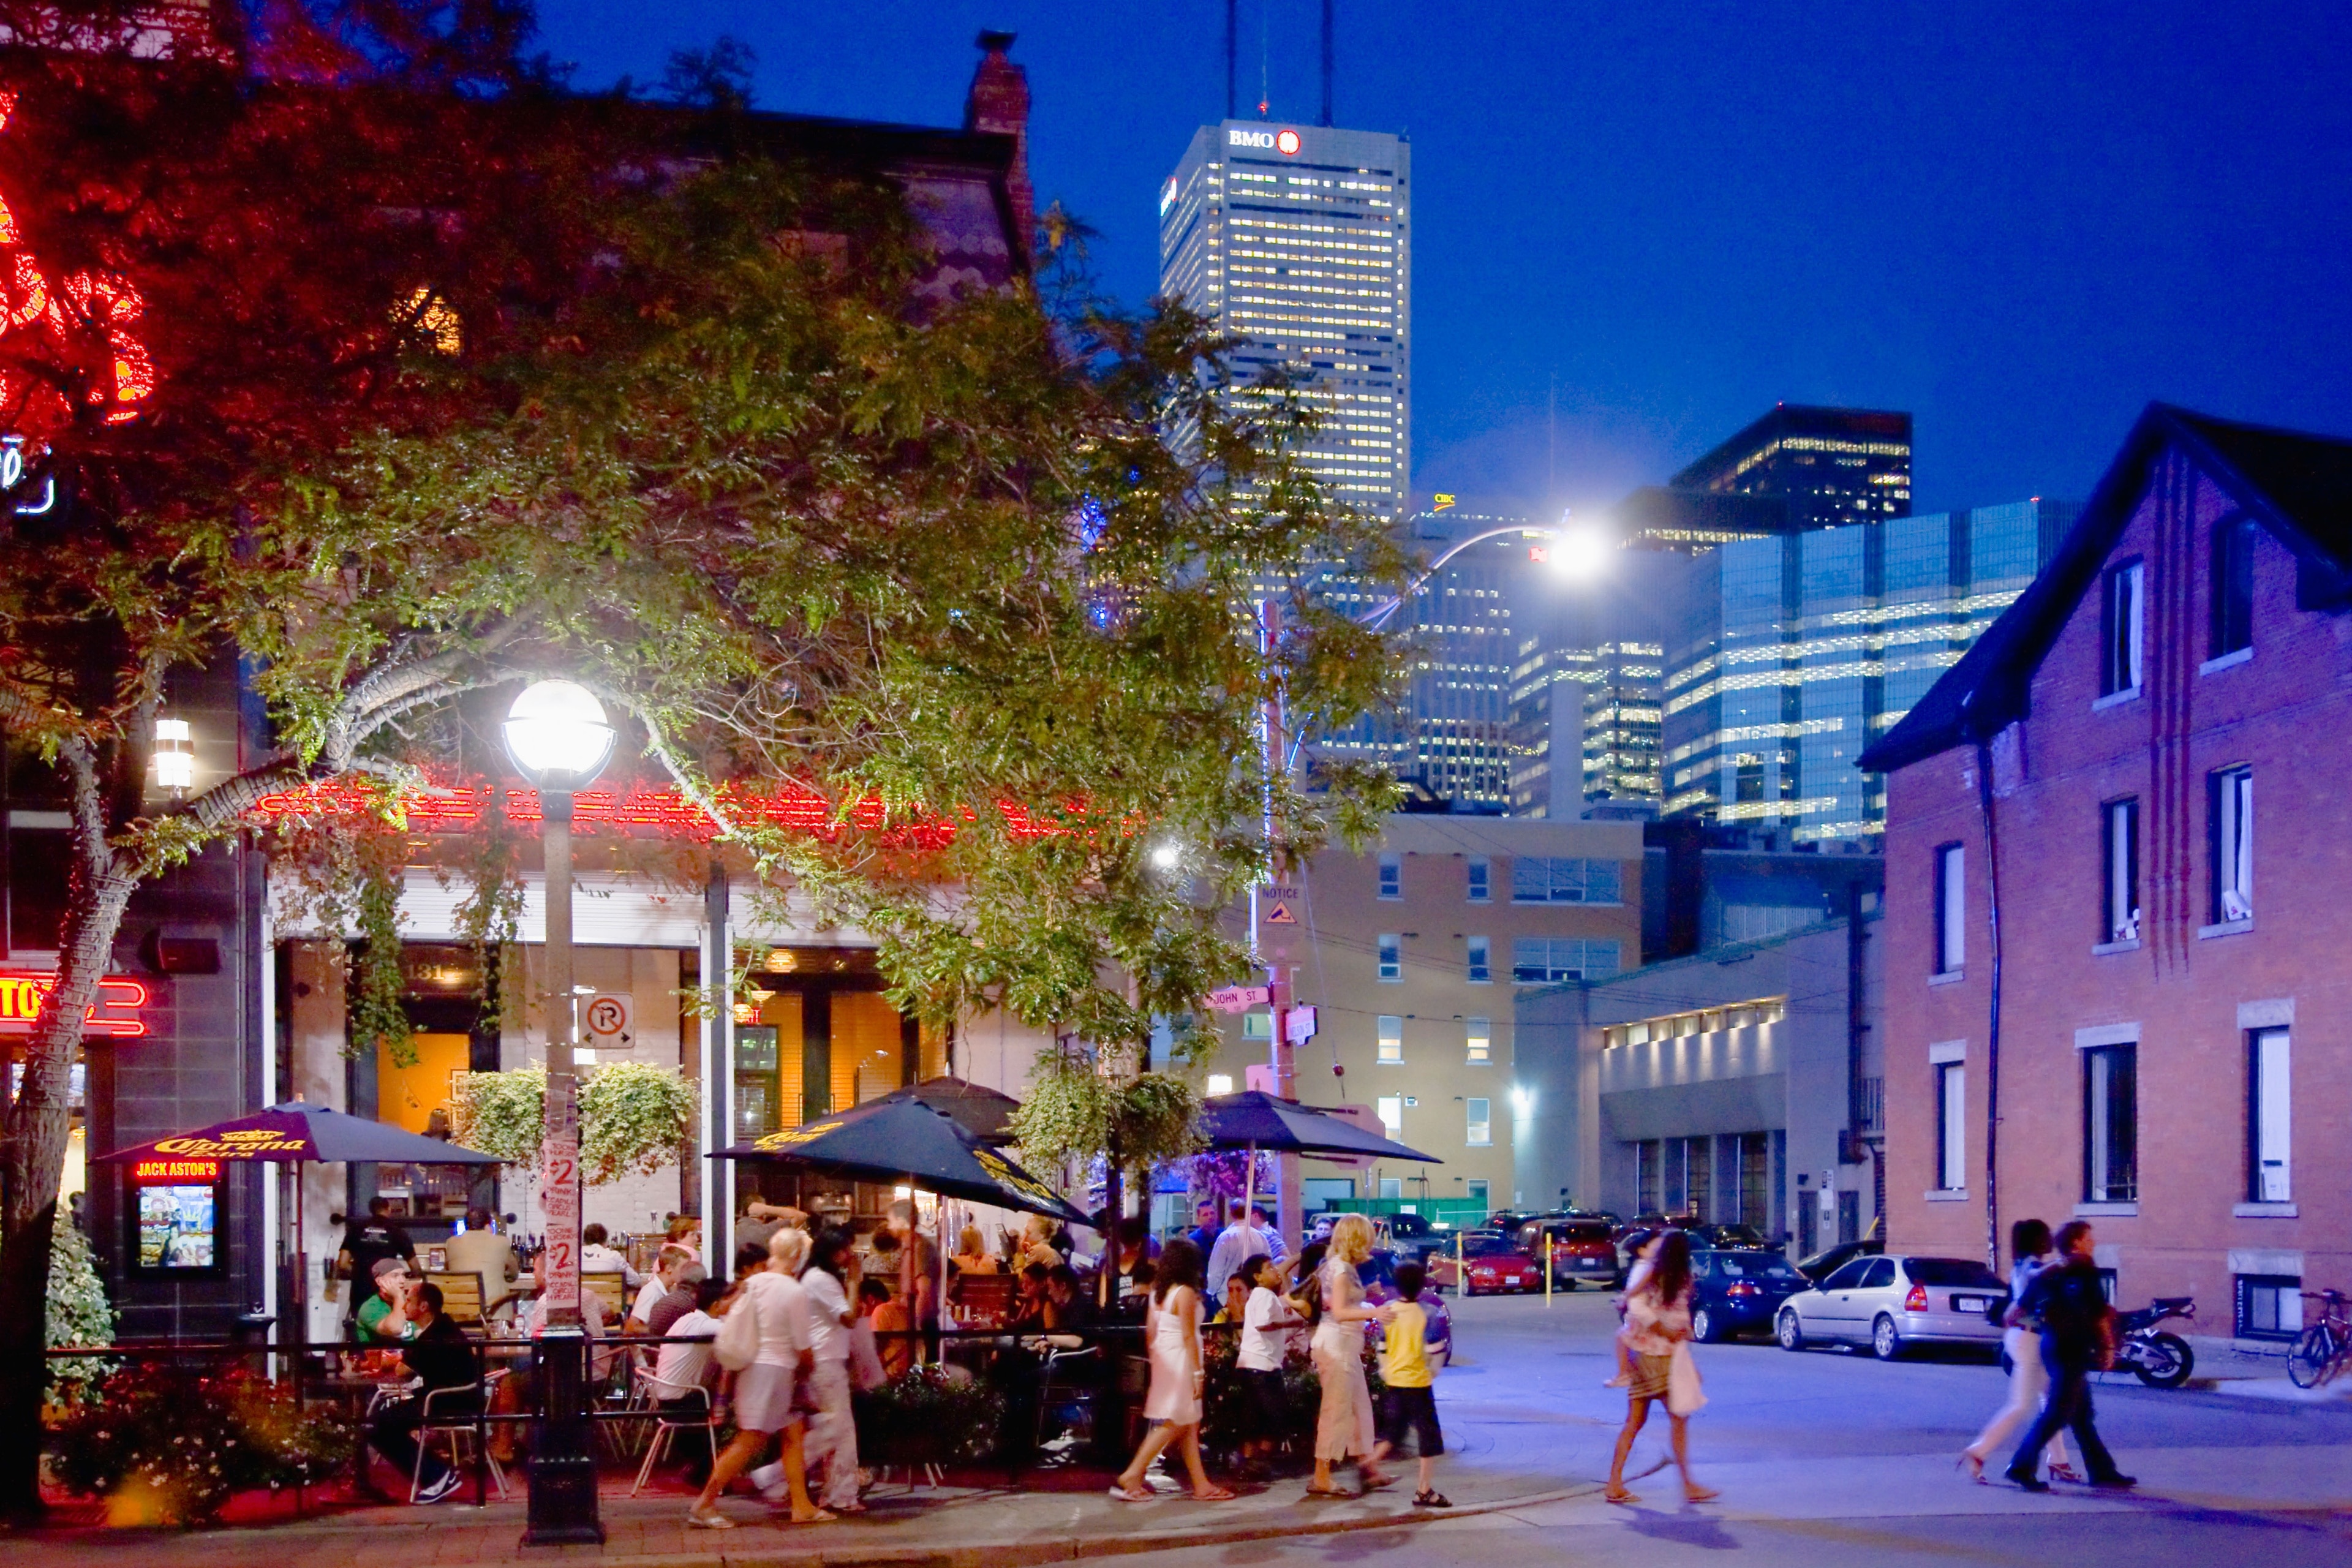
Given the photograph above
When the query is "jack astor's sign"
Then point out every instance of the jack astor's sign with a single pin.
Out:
(114, 1013)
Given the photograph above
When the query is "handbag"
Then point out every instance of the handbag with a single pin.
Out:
(1685, 1394)
(737, 1344)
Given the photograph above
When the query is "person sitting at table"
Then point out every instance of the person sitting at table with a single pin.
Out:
(865, 1371)
(384, 1318)
(367, 1243)
(685, 1379)
(480, 1249)
(596, 1258)
(1038, 1234)
(667, 1264)
(684, 1293)
(893, 1343)
(684, 1230)
(899, 1225)
(439, 1356)
(1029, 1309)
(971, 1256)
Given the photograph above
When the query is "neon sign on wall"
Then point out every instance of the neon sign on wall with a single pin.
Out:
(115, 1014)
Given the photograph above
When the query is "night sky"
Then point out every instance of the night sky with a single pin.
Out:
(2018, 222)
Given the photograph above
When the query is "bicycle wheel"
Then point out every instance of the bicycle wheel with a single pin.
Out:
(2313, 1357)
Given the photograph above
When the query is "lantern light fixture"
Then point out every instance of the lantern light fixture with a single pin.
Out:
(175, 755)
(558, 735)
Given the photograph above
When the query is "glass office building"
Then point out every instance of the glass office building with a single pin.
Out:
(1786, 657)
(1295, 239)
(1829, 467)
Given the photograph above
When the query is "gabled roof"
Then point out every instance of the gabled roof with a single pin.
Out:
(2298, 486)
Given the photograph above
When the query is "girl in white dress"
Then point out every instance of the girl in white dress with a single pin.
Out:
(1172, 1335)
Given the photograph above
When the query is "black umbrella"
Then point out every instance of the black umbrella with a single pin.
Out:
(900, 1139)
(1254, 1120)
(984, 1112)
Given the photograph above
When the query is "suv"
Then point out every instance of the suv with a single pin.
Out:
(1581, 1251)
(1410, 1236)
(1830, 1260)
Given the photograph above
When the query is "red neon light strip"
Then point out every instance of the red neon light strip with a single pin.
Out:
(114, 1014)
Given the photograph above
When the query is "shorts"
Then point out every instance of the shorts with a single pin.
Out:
(1267, 1397)
(1413, 1408)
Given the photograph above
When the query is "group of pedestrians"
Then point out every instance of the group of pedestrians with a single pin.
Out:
(2058, 1330)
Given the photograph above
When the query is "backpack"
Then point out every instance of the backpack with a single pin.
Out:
(738, 1343)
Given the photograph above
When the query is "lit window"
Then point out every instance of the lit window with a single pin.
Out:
(1951, 1126)
(1392, 875)
(1539, 880)
(2119, 846)
(1220, 1083)
(1482, 965)
(1480, 1036)
(1258, 1026)
(1482, 878)
(1393, 1119)
(2111, 1124)
(1392, 956)
(1392, 1040)
(1480, 1132)
(2269, 1116)
(1548, 960)
(1951, 909)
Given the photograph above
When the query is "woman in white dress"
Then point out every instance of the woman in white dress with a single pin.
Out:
(1172, 1335)
(1343, 1428)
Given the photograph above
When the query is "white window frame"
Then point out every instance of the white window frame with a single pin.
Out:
(1388, 1042)
(2269, 1116)
(1951, 1122)
(1951, 907)
(2123, 628)
(1479, 963)
(2233, 845)
(2119, 843)
(1391, 957)
(1391, 887)
(1478, 1121)
(1479, 1042)
(1481, 872)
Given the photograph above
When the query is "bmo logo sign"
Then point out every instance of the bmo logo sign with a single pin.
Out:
(1283, 141)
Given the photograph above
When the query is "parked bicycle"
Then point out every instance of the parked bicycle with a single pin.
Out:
(2323, 1348)
(2158, 1359)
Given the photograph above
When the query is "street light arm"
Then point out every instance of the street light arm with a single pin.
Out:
(1385, 611)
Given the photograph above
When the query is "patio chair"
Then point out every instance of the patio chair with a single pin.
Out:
(461, 1297)
(650, 1394)
(458, 1422)
(1070, 1381)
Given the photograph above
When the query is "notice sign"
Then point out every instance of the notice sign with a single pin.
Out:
(608, 1019)
(1280, 901)
(1240, 998)
(560, 1197)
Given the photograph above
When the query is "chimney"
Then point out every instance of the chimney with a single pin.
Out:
(999, 103)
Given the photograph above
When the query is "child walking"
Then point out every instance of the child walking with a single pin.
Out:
(1267, 1323)
(1410, 1403)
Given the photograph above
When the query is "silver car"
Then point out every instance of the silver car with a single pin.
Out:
(1892, 1303)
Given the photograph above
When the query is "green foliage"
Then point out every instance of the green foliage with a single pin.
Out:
(346, 871)
(80, 1313)
(1154, 1119)
(929, 1416)
(169, 1445)
(634, 1119)
(1074, 1109)
(501, 1113)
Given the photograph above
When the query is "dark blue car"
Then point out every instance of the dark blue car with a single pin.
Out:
(1738, 1292)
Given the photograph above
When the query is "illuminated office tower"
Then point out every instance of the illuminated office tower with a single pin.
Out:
(1294, 239)
(1786, 657)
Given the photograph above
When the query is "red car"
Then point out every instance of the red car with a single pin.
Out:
(1581, 1250)
(1494, 1263)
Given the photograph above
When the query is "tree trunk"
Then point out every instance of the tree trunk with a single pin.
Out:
(32, 1160)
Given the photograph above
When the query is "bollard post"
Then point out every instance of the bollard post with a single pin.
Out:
(1547, 1268)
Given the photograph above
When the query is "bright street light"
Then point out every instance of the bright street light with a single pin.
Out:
(556, 734)
(1168, 855)
(1580, 552)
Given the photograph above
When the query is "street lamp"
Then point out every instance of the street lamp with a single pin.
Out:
(560, 741)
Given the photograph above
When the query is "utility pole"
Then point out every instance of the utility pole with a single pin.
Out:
(1290, 1191)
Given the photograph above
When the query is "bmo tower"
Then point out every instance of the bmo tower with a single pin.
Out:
(1293, 239)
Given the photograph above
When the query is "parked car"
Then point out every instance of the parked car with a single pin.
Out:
(1440, 1333)
(1731, 1237)
(1739, 1290)
(1631, 1238)
(1411, 1235)
(1494, 1263)
(1581, 1251)
(1893, 1303)
(1830, 1260)
(1507, 1221)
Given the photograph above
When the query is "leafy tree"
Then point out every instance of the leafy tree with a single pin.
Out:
(439, 388)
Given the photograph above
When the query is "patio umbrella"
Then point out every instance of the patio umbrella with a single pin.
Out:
(984, 1112)
(294, 1133)
(1254, 1120)
(900, 1137)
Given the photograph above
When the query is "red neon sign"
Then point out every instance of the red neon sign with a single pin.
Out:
(176, 1170)
(115, 1014)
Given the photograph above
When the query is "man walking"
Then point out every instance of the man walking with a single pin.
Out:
(1241, 1242)
(2076, 1334)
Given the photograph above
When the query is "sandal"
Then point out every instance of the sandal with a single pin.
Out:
(1216, 1494)
(1332, 1493)
(1431, 1500)
(1974, 1465)
(1140, 1494)
(2066, 1473)
(1620, 1496)
(696, 1518)
(1700, 1494)
(821, 1515)
(1375, 1480)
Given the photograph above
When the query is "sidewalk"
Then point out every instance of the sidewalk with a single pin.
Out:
(946, 1527)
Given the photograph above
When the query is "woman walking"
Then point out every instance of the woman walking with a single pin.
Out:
(763, 1392)
(1344, 1428)
(1658, 1328)
(1172, 1335)
(2029, 1379)
(833, 1430)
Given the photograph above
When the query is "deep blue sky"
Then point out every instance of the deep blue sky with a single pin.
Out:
(2018, 222)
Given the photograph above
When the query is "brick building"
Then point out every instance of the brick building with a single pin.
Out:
(2170, 981)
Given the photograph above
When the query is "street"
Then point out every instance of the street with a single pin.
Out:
(1829, 1457)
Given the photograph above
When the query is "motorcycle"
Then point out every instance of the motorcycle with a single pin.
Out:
(2158, 1359)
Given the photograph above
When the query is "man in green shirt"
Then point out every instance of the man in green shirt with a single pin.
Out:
(384, 1318)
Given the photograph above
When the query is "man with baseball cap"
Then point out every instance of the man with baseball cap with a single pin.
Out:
(384, 1318)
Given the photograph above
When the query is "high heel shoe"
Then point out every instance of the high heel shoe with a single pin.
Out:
(2066, 1473)
(1972, 1465)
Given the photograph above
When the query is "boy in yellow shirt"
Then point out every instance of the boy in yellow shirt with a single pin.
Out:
(1409, 1402)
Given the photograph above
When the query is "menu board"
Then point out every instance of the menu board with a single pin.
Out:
(179, 1229)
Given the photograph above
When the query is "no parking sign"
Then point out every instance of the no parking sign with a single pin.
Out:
(608, 1019)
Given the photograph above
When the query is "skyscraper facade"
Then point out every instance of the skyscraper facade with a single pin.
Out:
(1784, 657)
(1832, 466)
(1295, 239)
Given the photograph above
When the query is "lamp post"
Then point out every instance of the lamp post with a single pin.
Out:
(558, 737)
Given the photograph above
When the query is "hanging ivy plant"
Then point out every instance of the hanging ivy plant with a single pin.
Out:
(347, 873)
(634, 1119)
(1154, 1119)
(1066, 1114)
(501, 1113)
(488, 918)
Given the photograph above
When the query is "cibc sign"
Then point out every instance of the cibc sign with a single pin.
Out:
(1283, 141)
(115, 1014)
